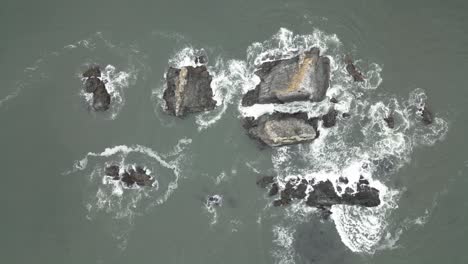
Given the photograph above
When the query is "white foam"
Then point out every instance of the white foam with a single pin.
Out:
(122, 202)
(361, 145)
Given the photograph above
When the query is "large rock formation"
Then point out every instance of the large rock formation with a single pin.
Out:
(94, 85)
(130, 176)
(188, 90)
(281, 129)
(301, 78)
(323, 194)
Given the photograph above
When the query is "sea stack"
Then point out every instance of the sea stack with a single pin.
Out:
(188, 90)
(305, 77)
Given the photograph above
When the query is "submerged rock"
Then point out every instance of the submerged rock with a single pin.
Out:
(131, 176)
(281, 129)
(214, 200)
(390, 120)
(301, 78)
(352, 70)
(427, 116)
(94, 85)
(188, 90)
(264, 181)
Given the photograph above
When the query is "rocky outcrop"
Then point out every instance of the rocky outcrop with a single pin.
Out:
(94, 85)
(281, 129)
(130, 176)
(301, 78)
(188, 90)
(323, 194)
(352, 70)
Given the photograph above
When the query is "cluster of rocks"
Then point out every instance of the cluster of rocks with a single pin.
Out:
(94, 85)
(130, 176)
(321, 194)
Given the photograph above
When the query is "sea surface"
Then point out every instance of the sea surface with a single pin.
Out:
(57, 206)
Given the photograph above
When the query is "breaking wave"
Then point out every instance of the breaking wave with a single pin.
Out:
(119, 201)
(361, 144)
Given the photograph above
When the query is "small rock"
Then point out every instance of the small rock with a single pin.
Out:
(390, 121)
(334, 100)
(329, 119)
(93, 71)
(352, 70)
(274, 190)
(427, 116)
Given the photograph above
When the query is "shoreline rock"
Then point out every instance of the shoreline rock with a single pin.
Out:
(188, 91)
(305, 77)
(352, 70)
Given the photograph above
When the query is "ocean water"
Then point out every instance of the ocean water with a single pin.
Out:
(60, 208)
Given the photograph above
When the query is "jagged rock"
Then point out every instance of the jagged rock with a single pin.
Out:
(346, 115)
(94, 85)
(264, 181)
(188, 90)
(343, 180)
(281, 129)
(329, 119)
(334, 100)
(352, 70)
(426, 114)
(301, 78)
(390, 120)
(131, 176)
(93, 71)
(323, 194)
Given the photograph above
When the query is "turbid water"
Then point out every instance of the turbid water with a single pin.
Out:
(58, 207)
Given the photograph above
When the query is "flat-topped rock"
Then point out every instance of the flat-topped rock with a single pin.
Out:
(305, 77)
(281, 129)
(188, 90)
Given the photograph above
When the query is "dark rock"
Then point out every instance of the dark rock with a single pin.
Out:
(251, 97)
(188, 91)
(343, 180)
(323, 194)
(138, 176)
(390, 121)
(281, 129)
(113, 171)
(352, 70)
(300, 191)
(274, 190)
(93, 71)
(333, 100)
(427, 117)
(365, 196)
(264, 181)
(346, 115)
(363, 181)
(301, 78)
(101, 98)
(329, 119)
(93, 84)
(348, 190)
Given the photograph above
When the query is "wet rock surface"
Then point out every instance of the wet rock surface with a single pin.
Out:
(301, 78)
(188, 90)
(281, 129)
(94, 85)
(390, 120)
(352, 70)
(214, 200)
(427, 116)
(130, 176)
(329, 119)
(323, 195)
